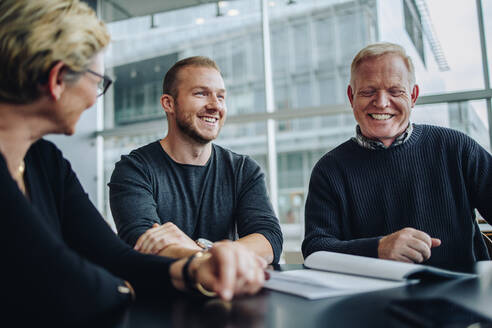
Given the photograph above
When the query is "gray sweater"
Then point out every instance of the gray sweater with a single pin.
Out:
(224, 199)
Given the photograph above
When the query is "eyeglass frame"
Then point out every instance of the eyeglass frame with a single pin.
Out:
(106, 80)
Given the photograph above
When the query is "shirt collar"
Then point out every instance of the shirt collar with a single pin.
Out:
(376, 144)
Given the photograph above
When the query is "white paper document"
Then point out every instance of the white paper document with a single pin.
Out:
(315, 284)
(377, 268)
(335, 274)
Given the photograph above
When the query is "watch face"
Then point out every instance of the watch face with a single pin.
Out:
(204, 243)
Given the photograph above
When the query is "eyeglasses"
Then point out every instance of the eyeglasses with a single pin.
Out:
(104, 84)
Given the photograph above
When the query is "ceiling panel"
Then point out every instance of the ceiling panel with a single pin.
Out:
(114, 10)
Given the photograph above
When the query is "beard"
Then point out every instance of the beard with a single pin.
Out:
(185, 125)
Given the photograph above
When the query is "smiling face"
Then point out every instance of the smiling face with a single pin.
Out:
(382, 97)
(200, 109)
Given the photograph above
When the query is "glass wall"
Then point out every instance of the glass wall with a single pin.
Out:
(460, 46)
(469, 117)
(144, 48)
(312, 44)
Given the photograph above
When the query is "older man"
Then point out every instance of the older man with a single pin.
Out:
(178, 195)
(397, 190)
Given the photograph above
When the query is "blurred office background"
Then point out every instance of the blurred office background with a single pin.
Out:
(286, 66)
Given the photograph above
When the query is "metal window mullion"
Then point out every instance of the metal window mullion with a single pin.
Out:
(483, 45)
(270, 108)
(485, 64)
(99, 140)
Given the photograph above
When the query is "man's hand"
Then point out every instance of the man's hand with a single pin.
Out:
(230, 269)
(407, 245)
(159, 237)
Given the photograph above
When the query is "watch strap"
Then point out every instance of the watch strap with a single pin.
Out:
(188, 282)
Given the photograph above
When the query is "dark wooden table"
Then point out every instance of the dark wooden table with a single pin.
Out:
(275, 309)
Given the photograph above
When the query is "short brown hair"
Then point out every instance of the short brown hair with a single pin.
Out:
(170, 83)
(377, 50)
(35, 35)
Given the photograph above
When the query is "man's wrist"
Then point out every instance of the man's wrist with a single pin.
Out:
(178, 252)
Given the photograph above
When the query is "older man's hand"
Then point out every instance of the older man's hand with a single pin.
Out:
(407, 245)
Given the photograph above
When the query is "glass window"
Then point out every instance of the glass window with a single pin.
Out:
(282, 95)
(304, 96)
(244, 138)
(413, 26)
(137, 90)
(239, 53)
(302, 46)
(221, 57)
(313, 43)
(139, 57)
(330, 90)
(325, 42)
(451, 50)
(469, 117)
(240, 100)
(280, 49)
(300, 144)
(349, 25)
(114, 147)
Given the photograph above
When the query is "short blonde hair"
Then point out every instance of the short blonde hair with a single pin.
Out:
(35, 35)
(377, 50)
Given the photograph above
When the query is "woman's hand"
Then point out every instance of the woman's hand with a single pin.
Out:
(228, 269)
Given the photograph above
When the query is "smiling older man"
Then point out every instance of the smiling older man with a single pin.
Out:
(178, 195)
(398, 190)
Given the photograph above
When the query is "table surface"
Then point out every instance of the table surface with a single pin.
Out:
(275, 309)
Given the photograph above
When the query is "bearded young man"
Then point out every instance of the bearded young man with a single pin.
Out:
(397, 190)
(179, 195)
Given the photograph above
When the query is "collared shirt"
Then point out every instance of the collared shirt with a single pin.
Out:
(376, 144)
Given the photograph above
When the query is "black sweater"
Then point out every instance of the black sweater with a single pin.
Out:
(62, 263)
(433, 182)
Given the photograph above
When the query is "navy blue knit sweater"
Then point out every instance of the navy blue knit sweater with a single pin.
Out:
(433, 182)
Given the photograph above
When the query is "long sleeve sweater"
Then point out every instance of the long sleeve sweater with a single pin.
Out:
(62, 263)
(433, 182)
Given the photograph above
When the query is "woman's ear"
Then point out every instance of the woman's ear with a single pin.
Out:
(55, 84)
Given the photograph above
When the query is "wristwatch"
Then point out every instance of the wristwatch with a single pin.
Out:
(204, 243)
